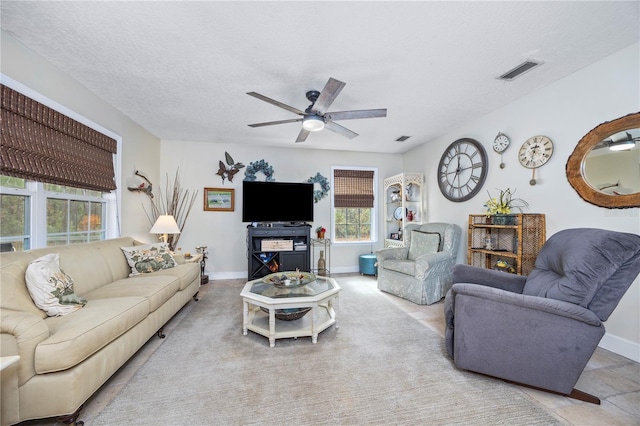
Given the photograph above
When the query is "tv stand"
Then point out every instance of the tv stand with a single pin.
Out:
(285, 248)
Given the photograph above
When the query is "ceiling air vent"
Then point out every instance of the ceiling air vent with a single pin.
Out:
(402, 138)
(519, 70)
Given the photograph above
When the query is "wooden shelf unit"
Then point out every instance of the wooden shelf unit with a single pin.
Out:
(518, 244)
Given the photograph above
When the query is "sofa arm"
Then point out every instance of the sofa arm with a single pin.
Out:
(542, 305)
(397, 253)
(434, 263)
(28, 330)
(488, 277)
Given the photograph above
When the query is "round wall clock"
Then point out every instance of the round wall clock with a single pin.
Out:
(462, 170)
(500, 143)
(535, 152)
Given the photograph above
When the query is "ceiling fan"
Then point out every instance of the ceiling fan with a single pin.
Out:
(617, 143)
(316, 117)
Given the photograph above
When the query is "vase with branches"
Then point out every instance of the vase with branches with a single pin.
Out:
(175, 201)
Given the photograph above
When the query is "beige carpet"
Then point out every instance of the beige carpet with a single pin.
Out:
(380, 367)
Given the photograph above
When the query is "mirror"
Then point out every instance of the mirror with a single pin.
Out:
(589, 169)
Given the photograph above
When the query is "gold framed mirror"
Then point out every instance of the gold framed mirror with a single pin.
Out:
(608, 189)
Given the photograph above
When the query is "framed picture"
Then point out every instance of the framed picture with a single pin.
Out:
(218, 199)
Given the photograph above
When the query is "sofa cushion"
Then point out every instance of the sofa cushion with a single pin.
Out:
(186, 273)
(77, 336)
(14, 294)
(148, 258)
(156, 288)
(423, 243)
(403, 266)
(50, 288)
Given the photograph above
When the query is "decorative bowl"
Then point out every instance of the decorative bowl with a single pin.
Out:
(289, 314)
(289, 279)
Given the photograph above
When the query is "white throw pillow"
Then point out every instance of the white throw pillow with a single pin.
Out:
(148, 258)
(50, 288)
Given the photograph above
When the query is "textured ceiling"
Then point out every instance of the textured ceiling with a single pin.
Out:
(182, 69)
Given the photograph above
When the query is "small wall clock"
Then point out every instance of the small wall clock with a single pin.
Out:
(462, 170)
(534, 153)
(500, 145)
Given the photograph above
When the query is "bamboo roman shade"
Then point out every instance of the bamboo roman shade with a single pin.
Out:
(41, 144)
(353, 188)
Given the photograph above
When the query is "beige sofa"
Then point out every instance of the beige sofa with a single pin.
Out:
(65, 359)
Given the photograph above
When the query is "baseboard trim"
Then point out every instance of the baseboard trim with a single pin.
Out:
(620, 346)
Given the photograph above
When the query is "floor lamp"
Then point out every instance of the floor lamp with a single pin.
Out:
(165, 225)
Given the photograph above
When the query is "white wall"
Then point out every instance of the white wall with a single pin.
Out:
(564, 111)
(224, 233)
(140, 149)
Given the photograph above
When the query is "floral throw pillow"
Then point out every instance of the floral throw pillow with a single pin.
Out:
(148, 258)
(51, 288)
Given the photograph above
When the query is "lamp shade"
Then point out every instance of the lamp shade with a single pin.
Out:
(165, 224)
(313, 123)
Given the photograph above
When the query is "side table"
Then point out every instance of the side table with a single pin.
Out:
(325, 243)
(199, 258)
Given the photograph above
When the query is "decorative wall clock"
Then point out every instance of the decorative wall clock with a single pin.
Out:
(534, 153)
(500, 145)
(462, 170)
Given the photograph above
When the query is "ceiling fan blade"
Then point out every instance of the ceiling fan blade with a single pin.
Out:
(271, 123)
(276, 103)
(303, 135)
(351, 115)
(336, 128)
(329, 94)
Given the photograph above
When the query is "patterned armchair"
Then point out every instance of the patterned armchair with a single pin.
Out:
(420, 271)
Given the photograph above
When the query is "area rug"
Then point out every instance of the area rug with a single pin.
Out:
(380, 367)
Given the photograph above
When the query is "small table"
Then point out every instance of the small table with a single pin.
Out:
(319, 297)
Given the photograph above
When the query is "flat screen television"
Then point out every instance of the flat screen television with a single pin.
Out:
(282, 202)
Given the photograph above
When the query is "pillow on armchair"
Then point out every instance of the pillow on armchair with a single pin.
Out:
(423, 243)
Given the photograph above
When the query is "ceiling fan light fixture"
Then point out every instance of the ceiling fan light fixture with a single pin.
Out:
(622, 145)
(313, 123)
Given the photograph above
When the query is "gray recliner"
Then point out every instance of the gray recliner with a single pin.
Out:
(541, 330)
(421, 271)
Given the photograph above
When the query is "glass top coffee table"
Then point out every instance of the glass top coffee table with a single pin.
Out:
(285, 311)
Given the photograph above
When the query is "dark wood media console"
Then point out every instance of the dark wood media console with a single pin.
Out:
(277, 248)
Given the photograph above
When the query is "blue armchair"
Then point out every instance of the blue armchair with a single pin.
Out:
(541, 330)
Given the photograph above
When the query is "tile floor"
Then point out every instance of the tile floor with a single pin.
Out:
(613, 378)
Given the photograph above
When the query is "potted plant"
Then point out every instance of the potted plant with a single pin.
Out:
(499, 209)
(320, 231)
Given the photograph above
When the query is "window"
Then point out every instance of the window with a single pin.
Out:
(57, 174)
(15, 208)
(354, 204)
(71, 215)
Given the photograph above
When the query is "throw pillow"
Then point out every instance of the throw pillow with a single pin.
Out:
(148, 258)
(51, 288)
(423, 243)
